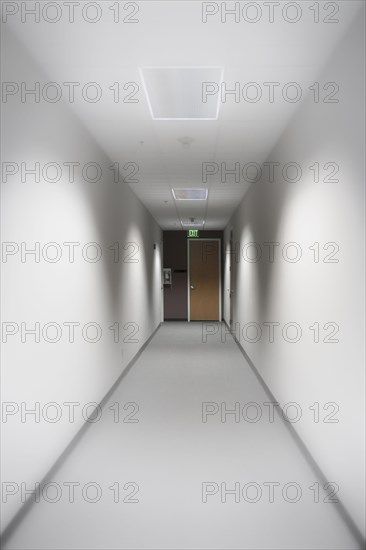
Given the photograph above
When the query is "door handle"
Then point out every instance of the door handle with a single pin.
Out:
(192, 287)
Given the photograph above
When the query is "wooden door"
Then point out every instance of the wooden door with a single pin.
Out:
(204, 280)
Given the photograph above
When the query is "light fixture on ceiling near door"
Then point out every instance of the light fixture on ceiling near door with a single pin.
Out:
(192, 222)
(190, 194)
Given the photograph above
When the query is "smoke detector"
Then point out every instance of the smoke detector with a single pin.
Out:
(185, 141)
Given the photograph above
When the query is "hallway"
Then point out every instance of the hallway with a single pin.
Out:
(177, 463)
(172, 168)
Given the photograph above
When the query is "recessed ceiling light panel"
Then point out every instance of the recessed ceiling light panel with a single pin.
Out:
(195, 223)
(190, 194)
(175, 93)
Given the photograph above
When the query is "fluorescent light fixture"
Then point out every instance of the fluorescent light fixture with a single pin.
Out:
(175, 93)
(190, 194)
(189, 223)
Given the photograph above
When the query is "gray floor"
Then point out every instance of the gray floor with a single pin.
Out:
(169, 453)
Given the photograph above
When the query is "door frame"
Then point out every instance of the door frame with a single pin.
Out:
(189, 275)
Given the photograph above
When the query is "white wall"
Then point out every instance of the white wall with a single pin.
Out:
(104, 292)
(305, 291)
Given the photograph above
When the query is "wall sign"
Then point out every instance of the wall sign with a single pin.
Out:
(192, 233)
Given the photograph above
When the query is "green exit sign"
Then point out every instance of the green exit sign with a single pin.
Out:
(193, 233)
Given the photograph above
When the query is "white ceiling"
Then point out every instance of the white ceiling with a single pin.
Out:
(171, 33)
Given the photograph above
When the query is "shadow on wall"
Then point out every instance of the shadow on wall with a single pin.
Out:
(115, 211)
(317, 133)
(266, 202)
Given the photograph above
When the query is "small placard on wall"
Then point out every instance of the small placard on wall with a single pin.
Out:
(167, 275)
